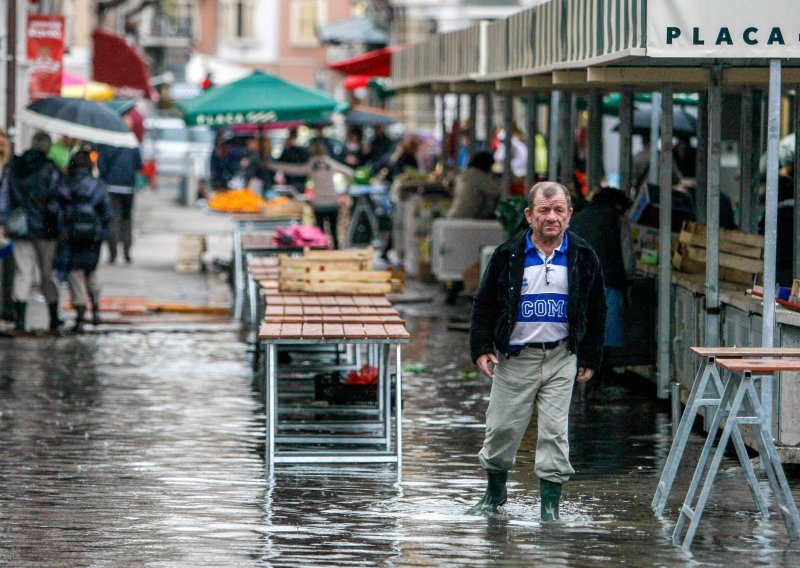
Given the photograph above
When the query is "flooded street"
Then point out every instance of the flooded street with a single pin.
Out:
(133, 449)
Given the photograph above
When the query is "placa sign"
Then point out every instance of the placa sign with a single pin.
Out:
(723, 28)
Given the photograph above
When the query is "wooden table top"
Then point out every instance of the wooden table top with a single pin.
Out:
(760, 366)
(327, 317)
(731, 352)
(255, 262)
(341, 300)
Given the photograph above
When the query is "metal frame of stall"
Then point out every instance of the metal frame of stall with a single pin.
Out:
(566, 47)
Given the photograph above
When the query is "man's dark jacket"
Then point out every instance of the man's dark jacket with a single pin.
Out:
(496, 303)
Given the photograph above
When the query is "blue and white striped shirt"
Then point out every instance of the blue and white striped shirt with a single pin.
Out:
(544, 301)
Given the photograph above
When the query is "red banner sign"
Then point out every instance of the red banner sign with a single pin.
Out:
(45, 36)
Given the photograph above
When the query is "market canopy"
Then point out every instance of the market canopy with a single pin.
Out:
(258, 99)
(376, 63)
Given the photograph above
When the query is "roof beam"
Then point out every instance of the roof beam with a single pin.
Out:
(735, 76)
(537, 81)
(570, 78)
(469, 88)
(511, 85)
(647, 75)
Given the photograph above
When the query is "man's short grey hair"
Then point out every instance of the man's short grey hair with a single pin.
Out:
(41, 141)
(548, 189)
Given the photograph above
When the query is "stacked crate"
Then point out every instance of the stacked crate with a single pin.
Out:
(190, 253)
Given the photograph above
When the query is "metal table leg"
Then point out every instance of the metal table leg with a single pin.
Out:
(238, 288)
(398, 412)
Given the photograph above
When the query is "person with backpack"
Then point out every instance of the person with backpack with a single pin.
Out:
(30, 214)
(87, 214)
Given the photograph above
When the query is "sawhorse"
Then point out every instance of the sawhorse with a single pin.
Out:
(706, 392)
(740, 405)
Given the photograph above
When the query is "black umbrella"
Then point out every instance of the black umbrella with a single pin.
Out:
(368, 116)
(78, 118)
(682, 121)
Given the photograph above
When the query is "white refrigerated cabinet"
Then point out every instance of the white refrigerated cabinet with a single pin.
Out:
(457, 243)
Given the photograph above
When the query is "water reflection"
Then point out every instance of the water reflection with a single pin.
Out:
(136, 449)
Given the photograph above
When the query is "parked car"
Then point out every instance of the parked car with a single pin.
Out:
(171, 145)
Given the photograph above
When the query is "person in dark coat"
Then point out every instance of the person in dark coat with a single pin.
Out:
(86, 221)
(602, 224)
(293, 153)
(31, 185)
(118, 168)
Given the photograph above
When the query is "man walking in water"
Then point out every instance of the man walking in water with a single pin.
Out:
(540, 306)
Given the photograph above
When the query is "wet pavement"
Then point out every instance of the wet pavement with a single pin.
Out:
(134, 449)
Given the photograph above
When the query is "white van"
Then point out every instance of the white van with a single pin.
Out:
(171, 145)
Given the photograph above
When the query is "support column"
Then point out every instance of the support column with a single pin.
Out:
(771, 224)
(626, 141)
(594, 152)
(565, 138)
(533, 128)
(712, 207)
(11, 74)
(665, 244)
(796, 127)
(489, 121)
(443, 129)
(508, 119)
(553, 144)
(771, 205)
(701, 181)
(473, 126)
(746, 210)
(655, 123)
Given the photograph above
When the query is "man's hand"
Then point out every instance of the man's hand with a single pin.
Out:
(483, 364)
(584, 374)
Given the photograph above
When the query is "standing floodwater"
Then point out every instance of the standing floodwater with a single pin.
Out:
(147, 449)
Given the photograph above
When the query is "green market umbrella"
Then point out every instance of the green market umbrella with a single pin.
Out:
(257, 99)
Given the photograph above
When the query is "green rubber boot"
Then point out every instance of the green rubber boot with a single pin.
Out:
(551, 495)
(495, 495)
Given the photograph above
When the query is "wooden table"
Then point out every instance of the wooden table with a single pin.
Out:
(740, 405)
(706, 392)
(372, 327)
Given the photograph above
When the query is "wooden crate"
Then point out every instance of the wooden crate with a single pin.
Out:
(336, 272)
(741, 255)
(190, 253)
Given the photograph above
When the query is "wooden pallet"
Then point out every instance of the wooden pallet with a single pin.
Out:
(741, 255)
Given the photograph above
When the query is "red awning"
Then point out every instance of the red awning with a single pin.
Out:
(377, 63)
(119, 64)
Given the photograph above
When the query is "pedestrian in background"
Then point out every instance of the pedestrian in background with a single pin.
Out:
(118, 169)
(87, 214)
(320, 168)
(603, 225)
(540, 305)
(6, 245)
(476, 193)
(293, 153)
(30, 210)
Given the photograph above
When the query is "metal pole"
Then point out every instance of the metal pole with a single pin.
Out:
(771, 225)
(701, 181)
(552, 150)
(533, 128)
(746, 211)
(473, 124)
(626, 140)
(675, 391)
(594, 151)
(565, 139)
(665, 243)
(796, 170)
(443, 129)
(489, 118)
(712, 207)
(508, 119)
(398, 412)
(771, 204)
(655, 120)
(11, 73)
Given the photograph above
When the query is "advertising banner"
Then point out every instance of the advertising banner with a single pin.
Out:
(45, 38)
(723, 28)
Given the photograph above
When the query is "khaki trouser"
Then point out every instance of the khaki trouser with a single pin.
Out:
(543, 378)
(30, 260)
(81, 283)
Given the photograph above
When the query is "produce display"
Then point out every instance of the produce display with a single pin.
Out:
(237, 200)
